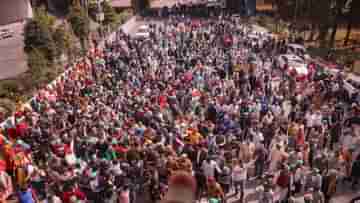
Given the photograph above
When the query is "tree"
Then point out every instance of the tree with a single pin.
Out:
(336, 14)
(321, 15)
(43, 17)
(62, 40)
(351, 10)
(80, 24)
(110, 16)
(38, 36)
(37, 63)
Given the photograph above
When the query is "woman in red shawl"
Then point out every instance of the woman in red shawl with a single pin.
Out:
(300, 137)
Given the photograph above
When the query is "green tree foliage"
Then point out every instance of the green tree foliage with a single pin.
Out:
(38, 36)
(321, 14)
(125, 15)
(6, 104)
(37, 63)
(110, 15)
(80, 24)
(43, 17)
(62, 40)
(9, 87)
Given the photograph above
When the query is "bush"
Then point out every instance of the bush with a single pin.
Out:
(125, 15)
(9, 89)
(43, 17)
(38, 36)
(37, 63)
(8, 105)
(110, 16)
(62, 40)
(80, 24)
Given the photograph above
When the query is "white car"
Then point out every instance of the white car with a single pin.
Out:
(143, 32)
(296, 66)
(255, 39)
(298, 50)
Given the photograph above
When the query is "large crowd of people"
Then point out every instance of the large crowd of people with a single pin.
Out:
(197, 96)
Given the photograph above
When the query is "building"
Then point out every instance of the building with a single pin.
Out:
(14, 10)
(250, 7)
(247, 7)
(121, 4)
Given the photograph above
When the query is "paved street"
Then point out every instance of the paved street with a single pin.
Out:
(12, 57)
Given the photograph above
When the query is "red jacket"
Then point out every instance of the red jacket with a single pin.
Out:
(283, 180)
(67, 195)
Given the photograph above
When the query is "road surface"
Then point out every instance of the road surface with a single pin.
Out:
(12, 56)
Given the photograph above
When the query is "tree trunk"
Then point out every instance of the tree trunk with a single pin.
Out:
(333, 33)
(323, 33)
(339, 6)
(348, 32)
(310, 15)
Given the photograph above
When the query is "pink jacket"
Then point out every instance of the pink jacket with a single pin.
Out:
(124, 197)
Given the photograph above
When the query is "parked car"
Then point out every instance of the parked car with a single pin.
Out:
(293, 65)
(298, 50)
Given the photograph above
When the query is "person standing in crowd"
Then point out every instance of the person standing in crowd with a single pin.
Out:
(355, 172)
(26, 194)
(210, 167)
(193, 96)
(215, 191)
(329, 185)
(6, 186)
(260, 159)
(318, 196)
(124, 195)
(239, 176)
